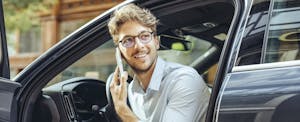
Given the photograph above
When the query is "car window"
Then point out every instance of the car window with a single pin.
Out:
(271, 40)
(251, 46)
(283, 39)
(97, 64)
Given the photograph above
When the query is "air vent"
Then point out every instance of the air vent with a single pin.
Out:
(69, 108)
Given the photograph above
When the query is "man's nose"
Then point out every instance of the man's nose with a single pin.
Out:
(138, 43)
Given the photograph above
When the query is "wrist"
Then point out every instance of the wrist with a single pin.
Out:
(125, 114)
(121, 108)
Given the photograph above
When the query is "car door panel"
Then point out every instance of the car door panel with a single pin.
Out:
(4, 61)
(7, 87)
(7, 90)
(269, 95)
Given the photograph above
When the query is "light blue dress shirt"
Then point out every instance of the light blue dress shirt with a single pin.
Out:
(176, 93)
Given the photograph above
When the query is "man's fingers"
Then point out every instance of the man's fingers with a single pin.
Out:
(124, 78)
(118, 87)
(115, 77)
(123, 86)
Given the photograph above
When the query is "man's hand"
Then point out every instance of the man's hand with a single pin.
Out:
(118, 89)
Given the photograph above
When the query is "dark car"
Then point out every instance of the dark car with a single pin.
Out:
(246, 50)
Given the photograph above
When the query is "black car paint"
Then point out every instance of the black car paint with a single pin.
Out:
(229, 51)
(262, 95)
(7, 90)
(4, 67)
(259, 93)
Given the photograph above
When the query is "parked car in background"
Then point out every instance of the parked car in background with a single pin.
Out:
(253, 43)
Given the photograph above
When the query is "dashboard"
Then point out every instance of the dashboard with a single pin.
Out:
(76, 98)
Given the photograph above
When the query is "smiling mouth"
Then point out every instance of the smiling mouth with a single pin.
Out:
(140, 55)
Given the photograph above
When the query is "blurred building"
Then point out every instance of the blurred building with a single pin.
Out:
(65, 17)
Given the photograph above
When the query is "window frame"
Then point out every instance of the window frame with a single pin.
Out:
(263, 65)
(266, 35)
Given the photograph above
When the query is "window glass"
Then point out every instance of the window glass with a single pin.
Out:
(67, 27)
(97, 64)
(251, 46)
(30, 40)
(284, 32)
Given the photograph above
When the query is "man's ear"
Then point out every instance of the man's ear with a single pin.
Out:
(121, 52)
(157, 42)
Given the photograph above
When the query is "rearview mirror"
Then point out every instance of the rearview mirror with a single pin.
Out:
(168, 42)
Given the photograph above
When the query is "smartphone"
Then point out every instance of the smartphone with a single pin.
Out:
(119, 61)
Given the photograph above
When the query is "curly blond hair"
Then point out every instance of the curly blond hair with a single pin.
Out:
(130, 12)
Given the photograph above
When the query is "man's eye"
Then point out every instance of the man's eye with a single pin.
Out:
(127, 40)
(144, 36)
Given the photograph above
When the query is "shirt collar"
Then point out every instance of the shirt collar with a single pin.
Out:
(155, 80)
(157, 75)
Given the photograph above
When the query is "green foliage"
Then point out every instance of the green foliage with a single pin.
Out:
(23, 14)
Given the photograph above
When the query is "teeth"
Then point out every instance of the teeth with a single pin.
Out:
(140, 55)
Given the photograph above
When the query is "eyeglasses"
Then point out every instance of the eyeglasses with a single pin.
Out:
(144, 37)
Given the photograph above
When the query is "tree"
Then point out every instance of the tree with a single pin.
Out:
(23, 14)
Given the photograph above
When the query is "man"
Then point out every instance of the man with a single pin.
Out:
(160, 90)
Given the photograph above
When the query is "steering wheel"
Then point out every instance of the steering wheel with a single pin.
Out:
(108, 111)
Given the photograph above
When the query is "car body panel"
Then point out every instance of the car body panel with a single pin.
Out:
(8, 101)
(4, 60)
(228, 54)
(267, 95)
(7, 87)
(260, 92)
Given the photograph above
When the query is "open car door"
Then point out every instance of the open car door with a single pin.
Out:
(7, 87)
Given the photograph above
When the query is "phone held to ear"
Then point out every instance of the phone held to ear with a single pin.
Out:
(119, 61)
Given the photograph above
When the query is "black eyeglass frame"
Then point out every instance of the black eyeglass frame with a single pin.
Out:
(139, 37)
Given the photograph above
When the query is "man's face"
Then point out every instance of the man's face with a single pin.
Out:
(141, 56)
